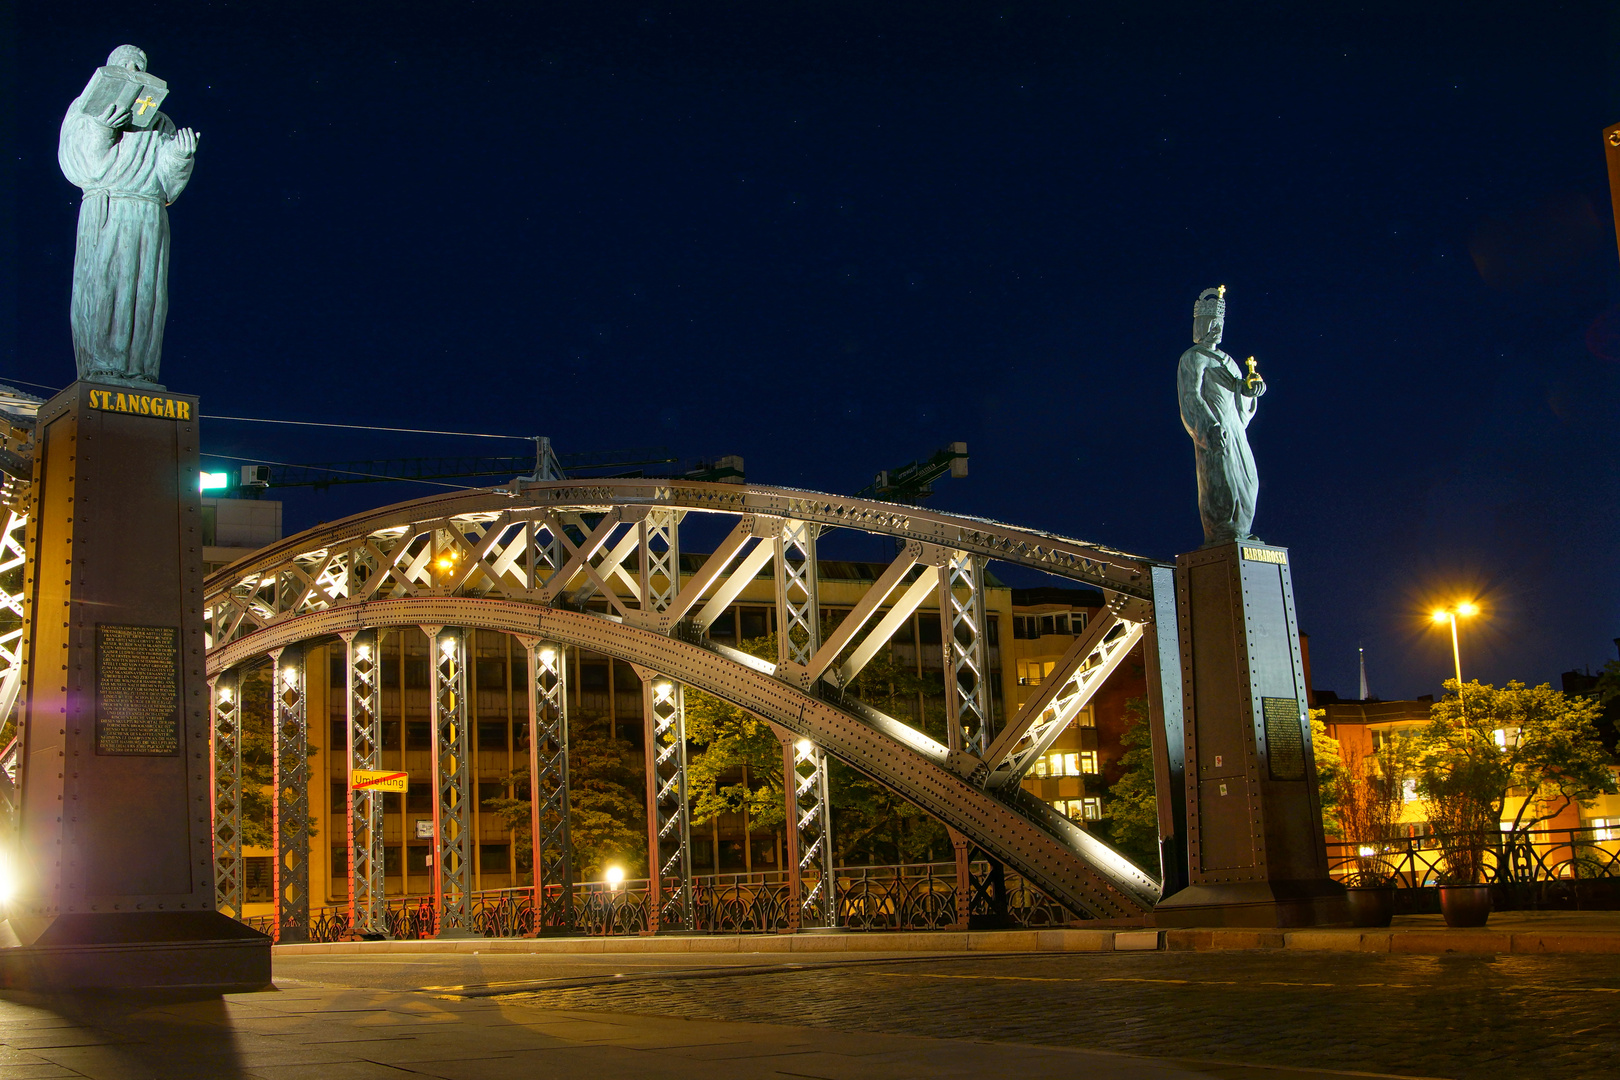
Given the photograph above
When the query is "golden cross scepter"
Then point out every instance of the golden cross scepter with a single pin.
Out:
(1253, 377)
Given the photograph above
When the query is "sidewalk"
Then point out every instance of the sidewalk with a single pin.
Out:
(1508, 932)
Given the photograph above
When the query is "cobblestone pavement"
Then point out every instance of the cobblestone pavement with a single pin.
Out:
(1441, 1016)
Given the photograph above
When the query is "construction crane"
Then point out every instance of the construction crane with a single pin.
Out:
(545, 464)
(914, 482)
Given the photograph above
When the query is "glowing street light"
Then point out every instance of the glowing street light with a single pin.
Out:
(1449, 615)
(615, 876)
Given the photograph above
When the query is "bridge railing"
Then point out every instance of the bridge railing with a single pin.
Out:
(911, 897)
(1542, 867)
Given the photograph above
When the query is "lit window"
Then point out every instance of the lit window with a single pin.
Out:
(1087, 718)
(1088, 762)
(1040, 766)
(1071, 764)
(1091, 808)
(1605, 828)
(1506, 738)
(1409, 791)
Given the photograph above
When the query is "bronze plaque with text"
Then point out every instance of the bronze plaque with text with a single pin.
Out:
(137, 690)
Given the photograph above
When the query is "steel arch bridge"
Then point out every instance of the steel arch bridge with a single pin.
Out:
(527, 558)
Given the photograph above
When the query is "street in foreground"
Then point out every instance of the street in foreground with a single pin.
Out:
(489, 1016)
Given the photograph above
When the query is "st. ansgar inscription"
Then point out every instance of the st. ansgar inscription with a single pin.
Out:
(137, 690)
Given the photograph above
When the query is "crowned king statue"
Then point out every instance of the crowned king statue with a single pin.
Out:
(1217, 402)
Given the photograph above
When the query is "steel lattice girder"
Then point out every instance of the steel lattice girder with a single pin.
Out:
(812, 807)
(669, 824)
(967, 663)
(548, 786)
(13, 558)
(1055, 855)
(1081, 672)
(509, 541)
(365, 810)
(452, 783)
(290, 813)
(229, 888)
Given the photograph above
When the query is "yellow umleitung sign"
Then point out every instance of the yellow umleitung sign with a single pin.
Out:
(141, 404)
(371, 780)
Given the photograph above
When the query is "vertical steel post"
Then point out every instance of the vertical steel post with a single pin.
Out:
(818, 903)
(668, 816)
(225, 692)
(962, 848)
(552, 852)
(798, 611)
(365, 808)
(290, 814)
(660, 559)
(452, 794)
(966, 655)
(790, 807)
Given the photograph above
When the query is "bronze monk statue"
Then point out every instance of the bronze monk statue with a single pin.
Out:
(131, 162)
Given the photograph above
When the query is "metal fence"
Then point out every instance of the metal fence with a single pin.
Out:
(914, 897)
(1554, 868)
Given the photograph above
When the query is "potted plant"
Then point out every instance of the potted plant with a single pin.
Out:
(1369, 801)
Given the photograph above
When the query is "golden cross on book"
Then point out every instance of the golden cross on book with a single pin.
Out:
(145, 103)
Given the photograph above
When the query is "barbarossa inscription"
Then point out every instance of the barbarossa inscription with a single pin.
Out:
(141, 404)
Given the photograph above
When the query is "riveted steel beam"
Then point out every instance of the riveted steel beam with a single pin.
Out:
(1084, 667)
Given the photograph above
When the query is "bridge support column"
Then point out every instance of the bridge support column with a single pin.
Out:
(367, 917)
(810, 812)
(452, 784)
(551, 849)
(1256, 851)
(290, 814)
(669, 839)
(224, 690)
(967, 665)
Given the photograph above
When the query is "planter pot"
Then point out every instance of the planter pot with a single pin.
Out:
(1465, 905)
(1371, 906)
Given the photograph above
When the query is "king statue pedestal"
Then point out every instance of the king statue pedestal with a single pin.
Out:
(1256, 852)
(115, 867)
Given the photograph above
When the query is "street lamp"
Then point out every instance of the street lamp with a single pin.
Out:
(1449, 615)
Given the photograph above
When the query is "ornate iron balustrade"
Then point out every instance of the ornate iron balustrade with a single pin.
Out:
(1542, 855)
(870, 898)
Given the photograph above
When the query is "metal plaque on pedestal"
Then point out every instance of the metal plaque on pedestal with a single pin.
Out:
(1256, 852)
(115, 849)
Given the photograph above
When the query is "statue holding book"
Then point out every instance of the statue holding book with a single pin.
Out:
(132, 163)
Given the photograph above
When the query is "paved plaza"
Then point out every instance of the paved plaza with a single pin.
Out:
(488, 1016)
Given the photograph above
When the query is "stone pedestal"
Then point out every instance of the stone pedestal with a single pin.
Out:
(114, 860)
(1256, 853)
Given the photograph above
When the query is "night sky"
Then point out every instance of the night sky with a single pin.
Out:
(832, 238)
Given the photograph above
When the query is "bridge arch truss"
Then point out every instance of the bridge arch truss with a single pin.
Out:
(596, 566)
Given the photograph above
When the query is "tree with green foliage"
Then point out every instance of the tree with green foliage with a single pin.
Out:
(607, 807)
(1484, 745)
(1131, 807)
(258, 756)
(1331, 777)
